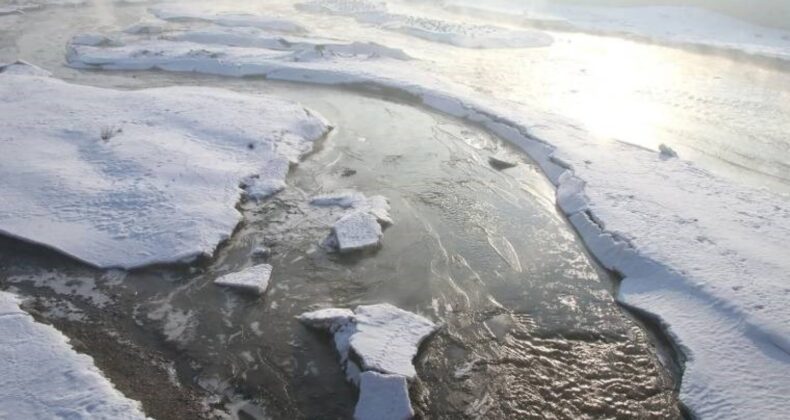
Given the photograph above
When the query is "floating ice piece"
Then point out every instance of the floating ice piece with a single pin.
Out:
(387, 338)
(261, 252)
(343, 199)
(44, 378)
(187, 13)
(327, 319)
(383, 397)
(254, 279)
(162, 189)
(357, 231)
(501, 162)
(383, 337)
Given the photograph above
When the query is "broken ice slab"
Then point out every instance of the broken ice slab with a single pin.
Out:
(383, 397)
(357, 231)
(501, 162)
(254, 279)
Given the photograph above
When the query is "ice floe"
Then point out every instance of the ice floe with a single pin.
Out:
(460, 34)
(43, 377)
(384, 340)
(125, 179)
(253, 279)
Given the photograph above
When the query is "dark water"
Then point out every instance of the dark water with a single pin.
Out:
(530, 328)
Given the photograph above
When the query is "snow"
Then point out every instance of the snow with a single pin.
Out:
(253, 279)
(683, 25)
(181, 13)
(163, 185)
(706, 257)
(43, 377)
(460, 34)
(383, 397)
(357, 231)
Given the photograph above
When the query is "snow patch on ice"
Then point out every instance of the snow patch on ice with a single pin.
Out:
(43, 377)
(254, 279)
(162, 189)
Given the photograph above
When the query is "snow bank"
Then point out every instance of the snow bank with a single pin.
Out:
(460, 34)
(253, 279)
(125, 179)
(669, 24)
(187, 13)
(691, 246)
(44, 378)
(384, 340)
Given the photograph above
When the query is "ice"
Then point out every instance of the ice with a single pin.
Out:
(384, 339)
(690, 245)
(254, 279)
(460, 34)
(95, 40)
(44, 378)
(125, 179)
(188, 13)
(683, 25)
(383, 397)
(23, 68)
(329, 319)
(387, 338)
(343, 199)
(357, 231)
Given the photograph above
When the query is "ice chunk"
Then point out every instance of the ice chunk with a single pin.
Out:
(383, 397)
(383, 337)
(343, 199)
(357, 231)
(329, 319)
(667, 152)
(387, 338)
(501, 162)
(254, 279)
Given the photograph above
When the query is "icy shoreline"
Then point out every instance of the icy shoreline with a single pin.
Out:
(43, 377)
(688, 245)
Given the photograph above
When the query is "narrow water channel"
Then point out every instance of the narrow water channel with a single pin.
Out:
(529, 325)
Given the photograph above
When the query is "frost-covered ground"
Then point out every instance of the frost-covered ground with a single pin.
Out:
(44, 378)
(706, 256)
